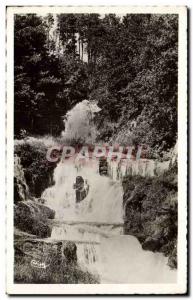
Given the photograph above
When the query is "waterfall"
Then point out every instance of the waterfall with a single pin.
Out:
(79, 123)
(104, 200)
(95, 223)
(89, 257)
(102, 204)
(141, 167)
(124, 261)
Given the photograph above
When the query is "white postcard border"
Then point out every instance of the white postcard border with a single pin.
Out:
(181, 285)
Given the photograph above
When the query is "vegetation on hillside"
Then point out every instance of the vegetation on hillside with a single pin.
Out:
(127, 64)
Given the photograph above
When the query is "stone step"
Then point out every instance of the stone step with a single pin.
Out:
(58, 222)
(54, 241)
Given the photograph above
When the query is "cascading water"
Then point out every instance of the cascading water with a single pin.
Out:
(102, 204)
(95, 224)
(78, 122)
(142, 167)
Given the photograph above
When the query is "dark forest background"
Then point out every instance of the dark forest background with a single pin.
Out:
(131, 72)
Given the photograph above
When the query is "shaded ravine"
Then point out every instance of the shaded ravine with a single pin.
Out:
(95, 225)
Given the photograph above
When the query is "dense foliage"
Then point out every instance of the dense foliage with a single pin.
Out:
(46, 85)
(127, 64)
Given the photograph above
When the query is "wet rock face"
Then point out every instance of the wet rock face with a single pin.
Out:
(31, 217)
(69, 252)
(150, 214)
(17, 194)
(153, 243)
(33, 168)
(103, 166)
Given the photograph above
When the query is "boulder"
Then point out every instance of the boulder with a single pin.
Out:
(103, 166)
(172, 260)
(31, 217)
(69, 251)
(152, 244)
(48, 212)
(49, 252)
(20, 190)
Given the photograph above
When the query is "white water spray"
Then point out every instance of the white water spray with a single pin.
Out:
(78, 122)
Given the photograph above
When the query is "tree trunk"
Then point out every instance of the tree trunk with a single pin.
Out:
(82, 49)
(79, 46)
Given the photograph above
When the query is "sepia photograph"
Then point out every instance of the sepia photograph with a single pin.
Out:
(96, 150)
